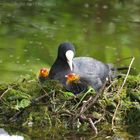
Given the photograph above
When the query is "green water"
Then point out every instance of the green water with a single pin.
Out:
(31, 30)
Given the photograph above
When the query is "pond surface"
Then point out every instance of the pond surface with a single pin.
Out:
(31, 30)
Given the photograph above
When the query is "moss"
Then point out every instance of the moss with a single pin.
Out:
(49, 104)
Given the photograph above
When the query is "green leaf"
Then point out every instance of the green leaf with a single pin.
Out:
(22, 104)
(96, 115)
(16, 94)
(68, 94)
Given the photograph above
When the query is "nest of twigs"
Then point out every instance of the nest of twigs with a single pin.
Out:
(27, 102)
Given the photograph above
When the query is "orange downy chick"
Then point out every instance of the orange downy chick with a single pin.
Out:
(72, 77)
(43, 72)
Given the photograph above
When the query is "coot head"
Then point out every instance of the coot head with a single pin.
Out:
(66, 52)
(43, 74)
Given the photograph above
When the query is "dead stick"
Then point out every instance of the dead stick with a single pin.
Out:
(93, 100)
(9, 88)
(130, 65)
(4, 92)
(85, 103)
(120, 90)
(93, 126)
(113, 82)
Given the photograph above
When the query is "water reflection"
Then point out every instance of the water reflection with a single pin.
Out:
(36, 133)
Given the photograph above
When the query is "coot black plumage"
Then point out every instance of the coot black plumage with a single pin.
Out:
(92, 72)
(62, 65)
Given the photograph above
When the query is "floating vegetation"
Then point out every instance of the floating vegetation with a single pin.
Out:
(29, 103)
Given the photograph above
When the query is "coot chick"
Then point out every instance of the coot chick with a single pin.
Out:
(92, 71)
(77, 84)
(74, 84)
(43, 75)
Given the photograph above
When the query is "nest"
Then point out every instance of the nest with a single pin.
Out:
(27, 102)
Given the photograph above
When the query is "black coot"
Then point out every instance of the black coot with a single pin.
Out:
(93, 72)
(61, 67)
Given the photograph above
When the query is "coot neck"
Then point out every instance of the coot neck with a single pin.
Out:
(62, 63)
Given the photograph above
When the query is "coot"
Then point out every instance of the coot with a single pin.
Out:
(63, 63)
(91, 71)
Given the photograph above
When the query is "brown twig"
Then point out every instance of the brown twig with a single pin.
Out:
(120, 90)
(91, 122)
(129, 68)
(90, 101)
(41, 97)
(9, 88)
(93, 126)
(113, 82)
(85, 103)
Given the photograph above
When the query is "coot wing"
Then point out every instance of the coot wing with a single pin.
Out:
(87, 67)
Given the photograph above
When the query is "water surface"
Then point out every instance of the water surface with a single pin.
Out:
(30, 32)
